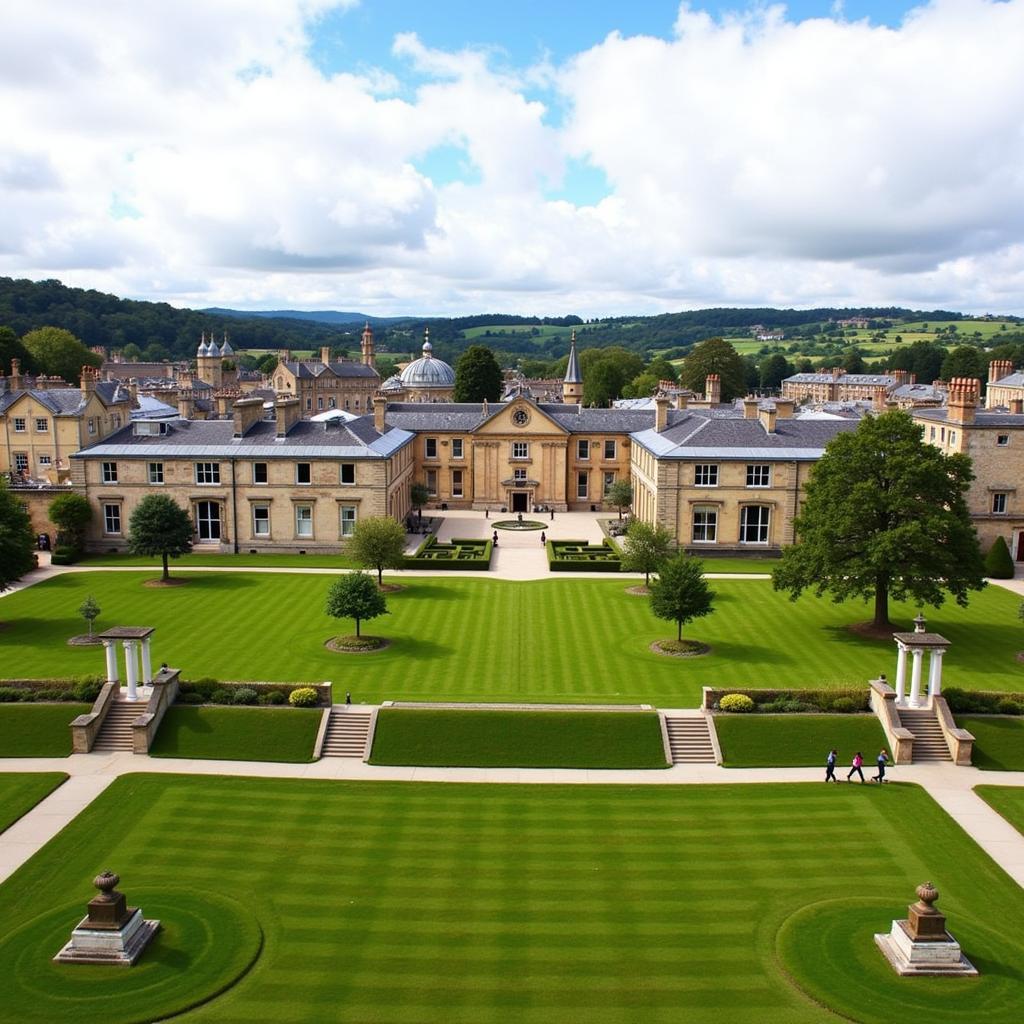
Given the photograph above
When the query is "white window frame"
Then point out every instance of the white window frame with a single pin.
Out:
(342, 467)
(705, 474)
(765, 513)
(458, 452)
(759, 474)
(704, 529)
(304, 520)
(20, 425)
(45, 460)
(257, 520)
(457, 487)
(1002, 440)
(1000, 501)
(430, 447)
(112, 519)
(431, 482)
(610, 445)
(45, 428)
(266, 474)
(207, 474)
(309, 468)
(583, 449)
(519, 475)
(582, 485)
(607, 481)
(155, 473)
(348, 515)
(520, 450)
(21, 462)
(109, 471)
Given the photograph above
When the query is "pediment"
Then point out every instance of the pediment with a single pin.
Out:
(521, 416)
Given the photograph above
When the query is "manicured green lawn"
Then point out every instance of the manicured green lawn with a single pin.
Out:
(238, 734)
(1007, 800)
(38, 730)
(739, 565)
(21, 791)
(460, 638)
(999, 741)
(518, 739)
(778, 741)
(241, 560)
(478, 903)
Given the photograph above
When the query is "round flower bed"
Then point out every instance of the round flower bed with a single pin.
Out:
(681, 648)
(356, 644)
(516, 524)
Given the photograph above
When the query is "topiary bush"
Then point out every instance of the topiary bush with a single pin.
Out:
(244, 695)
(998, 563)
(736, 702)
(64, 556)
(272, 698)
(222, 696)
(1008, 706)
(303, 697)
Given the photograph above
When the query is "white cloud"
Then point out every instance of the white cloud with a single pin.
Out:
(193, 151)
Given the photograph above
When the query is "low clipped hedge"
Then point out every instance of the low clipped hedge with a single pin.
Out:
(213, 691)
(461, 555)
(79, 689)
(775, 702)
(579, 556)
(983, 702)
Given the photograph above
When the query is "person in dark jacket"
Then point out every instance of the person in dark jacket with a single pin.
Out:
(830, 766)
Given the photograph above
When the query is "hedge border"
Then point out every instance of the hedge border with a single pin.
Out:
(418, 561)
(822, 699)
(556, 564)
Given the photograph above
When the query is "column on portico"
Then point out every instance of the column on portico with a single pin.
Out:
(110, 650)
(147, 665)
(935, 672)
(901, 672)
(131, 669)
(915, 677)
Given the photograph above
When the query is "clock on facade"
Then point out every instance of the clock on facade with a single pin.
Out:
(520, 417)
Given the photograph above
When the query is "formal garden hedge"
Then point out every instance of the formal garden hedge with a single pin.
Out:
(213, 691)
(579, 556)
(77, 689)
(774, 702)
(983, 702)
(461, 555)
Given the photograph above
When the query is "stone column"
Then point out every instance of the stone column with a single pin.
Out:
(935, 672)
(147, 669)
(901, 672)
(110, 650)
(131, 669)
(915, 678)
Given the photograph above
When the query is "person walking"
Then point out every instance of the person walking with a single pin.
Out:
(857, 766)
(830, 766)
(495, 538)
(881, 761)
(543, 538)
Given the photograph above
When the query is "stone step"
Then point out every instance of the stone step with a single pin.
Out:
(689, 740)
(929, 740)
(116, 731)
(347, 734)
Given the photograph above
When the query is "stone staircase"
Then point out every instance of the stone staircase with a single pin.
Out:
(929, 742)
(689, 739)
(348, 732)
(116, 731)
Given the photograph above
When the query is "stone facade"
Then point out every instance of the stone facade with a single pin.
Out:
(330, 384)
(1005, 387)
(837, 385)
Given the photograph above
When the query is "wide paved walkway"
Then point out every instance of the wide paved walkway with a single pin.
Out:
(951, 787)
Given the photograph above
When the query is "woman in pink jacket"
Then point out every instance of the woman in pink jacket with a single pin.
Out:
(858, 764)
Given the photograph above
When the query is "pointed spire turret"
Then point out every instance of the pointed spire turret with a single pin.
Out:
(572, 385)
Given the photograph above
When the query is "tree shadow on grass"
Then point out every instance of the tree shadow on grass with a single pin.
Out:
(434, 591)
(415, 647)
(734, 653)
(214, 581)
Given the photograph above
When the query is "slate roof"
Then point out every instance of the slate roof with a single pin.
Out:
(982, 418)
(66, 401)
(846, 378)
(1012, 380)
(356, 439)
(695, 436)
(311, 369)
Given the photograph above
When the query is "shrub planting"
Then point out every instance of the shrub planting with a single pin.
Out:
(736, 702)
(998, 563)
(304, 697)
(474, 555)
(48, 691)
(841, 701)
(244, 695)
(579, 556)
(981, 702)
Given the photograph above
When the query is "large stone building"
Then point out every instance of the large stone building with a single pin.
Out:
(837, 385)
(324, 384)
(994, 439)
(250, 483)
(426, 379)
(42, 425)
(1005, 386)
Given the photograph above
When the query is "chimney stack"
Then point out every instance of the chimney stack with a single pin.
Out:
(286, 413)
(767, 418)
(682, 400)
(246, 412)
(380, 408)
(785, 408)
(750, 408)
(187, 404)
(325, 355)
(999, 368)
(661, 404)
(1017, 406)
(89, 375)
(713, 389)
(962, 403)
(15, 374)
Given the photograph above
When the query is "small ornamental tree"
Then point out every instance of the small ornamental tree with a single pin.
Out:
(89, 611)
(70, 513)
(998, 563)
(646, 548)
(620, 495)
(160, 526)
(680, 593)
(419, 495)
(16, 539)
(354, 596)
(378, 542)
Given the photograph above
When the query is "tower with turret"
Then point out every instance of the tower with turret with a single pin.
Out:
(208, 360)
(366, 345)
(572, 386)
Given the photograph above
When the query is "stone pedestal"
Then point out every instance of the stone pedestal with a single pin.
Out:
(921, 944)
(111, 933)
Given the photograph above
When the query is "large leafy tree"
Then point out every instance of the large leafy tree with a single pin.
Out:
(965, 361)
(773, 370)
(71, 514)
(354, 596)
(16, 538)
(477, 376)
(11, 348)
(715, 355)
(602, 384)
(885, 515)
(680, 594)
(58, 352)
(378, 542)
(646, 548)
(160, 526)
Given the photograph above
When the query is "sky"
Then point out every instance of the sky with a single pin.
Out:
(467, 156)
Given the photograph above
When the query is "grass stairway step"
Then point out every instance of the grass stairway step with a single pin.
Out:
(116, 731)
(689, 740)
(347, 733)
(929, 740)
